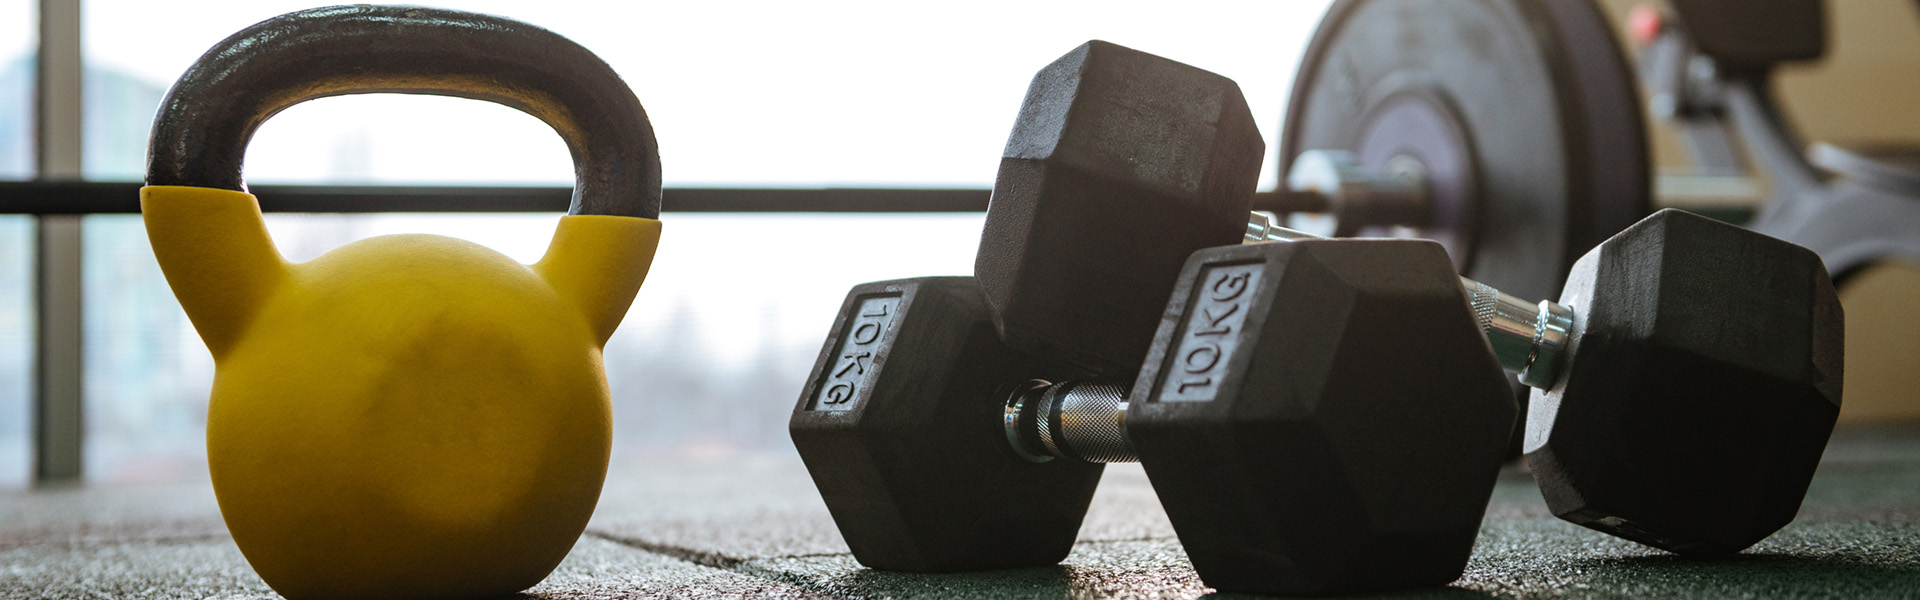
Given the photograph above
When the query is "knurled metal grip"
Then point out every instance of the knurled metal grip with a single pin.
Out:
(201, 132)
(1528, 339)
(1080, 421)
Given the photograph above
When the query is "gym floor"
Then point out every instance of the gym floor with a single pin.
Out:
(756, 528)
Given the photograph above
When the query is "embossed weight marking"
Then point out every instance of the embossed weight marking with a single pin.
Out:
(1212, 330)
(853, 368)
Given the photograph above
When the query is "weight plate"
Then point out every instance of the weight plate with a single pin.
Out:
(1522, 112)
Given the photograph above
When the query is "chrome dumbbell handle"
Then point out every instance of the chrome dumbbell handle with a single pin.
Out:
(1083, 421)
(1528, 338)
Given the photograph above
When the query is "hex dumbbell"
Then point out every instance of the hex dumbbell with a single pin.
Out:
(901, 422)
(897, 426)
(1120, 164)
(1710, 356)
(905, 503)
(1686, 382)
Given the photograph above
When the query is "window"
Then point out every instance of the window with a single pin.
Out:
(741, 94)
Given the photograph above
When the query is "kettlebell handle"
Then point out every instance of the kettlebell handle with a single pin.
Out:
(201, 133)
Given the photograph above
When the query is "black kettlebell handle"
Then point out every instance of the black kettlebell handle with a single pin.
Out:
(201, 133)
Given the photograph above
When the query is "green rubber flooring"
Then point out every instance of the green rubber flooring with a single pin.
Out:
(754, 528)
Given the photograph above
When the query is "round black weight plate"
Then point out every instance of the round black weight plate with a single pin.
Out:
(1522, 113)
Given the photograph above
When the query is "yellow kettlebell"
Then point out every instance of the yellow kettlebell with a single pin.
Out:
(407, 416)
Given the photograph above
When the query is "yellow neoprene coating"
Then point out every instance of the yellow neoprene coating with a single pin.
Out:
(404, 416)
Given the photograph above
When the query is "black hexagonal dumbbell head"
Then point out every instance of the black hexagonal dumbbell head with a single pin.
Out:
(1121, 164)
(1701, 386)
(898, 424)
(1322, 417)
